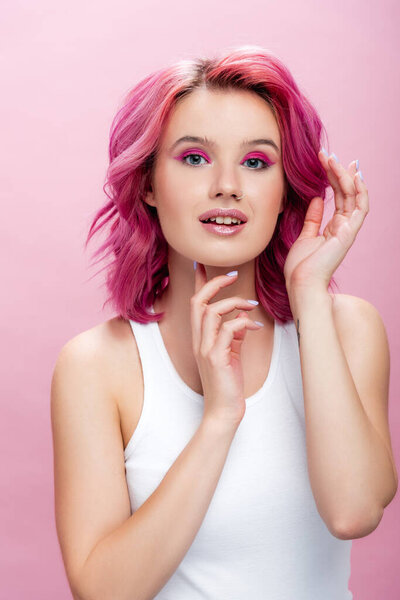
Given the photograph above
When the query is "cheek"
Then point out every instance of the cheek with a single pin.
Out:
(265, 225)
(274, 187)
(267, 201)
(173, 193)
(268, 188)
(172, 213)
(265, 213)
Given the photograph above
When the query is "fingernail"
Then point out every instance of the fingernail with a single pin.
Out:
(252, 301)
(259, 323)
(232, 273)
(357, 164)
(324, 151)
(360, 174)
(335, 157)
(194, 265)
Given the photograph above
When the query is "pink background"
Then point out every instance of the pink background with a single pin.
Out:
(65, 67)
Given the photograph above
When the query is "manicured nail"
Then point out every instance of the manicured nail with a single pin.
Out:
(232, 273)
(357, 164)
(252, 301)
(194, 265)
(259, 323)
(335, 157)
(324, 151)
(360, 174)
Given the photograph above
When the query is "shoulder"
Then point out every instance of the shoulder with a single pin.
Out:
(357, 315)
(360, 327)
(101, 352)
(99, 343)
(363, 335)
(365, 344)
(88, 442)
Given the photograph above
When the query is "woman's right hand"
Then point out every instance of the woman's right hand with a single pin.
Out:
(217, 347)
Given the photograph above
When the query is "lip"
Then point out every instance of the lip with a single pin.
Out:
(223, 212)
(221, 229)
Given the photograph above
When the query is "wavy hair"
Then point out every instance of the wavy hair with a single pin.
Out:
(138, 271)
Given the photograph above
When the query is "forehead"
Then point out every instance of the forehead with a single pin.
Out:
(226, 116)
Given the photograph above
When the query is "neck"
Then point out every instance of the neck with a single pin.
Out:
(175, 300)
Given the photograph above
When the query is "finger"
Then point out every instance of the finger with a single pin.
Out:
(204, 291)
(362, 203)
(345, 183)
(196, 316)
(216, 283)
(313, 218)
(200, 277)
(339, 200)
(239, 335)
(352, 168)
(231, 336)
(212, 319)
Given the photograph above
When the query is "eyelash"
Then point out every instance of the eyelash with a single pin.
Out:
(184, 156)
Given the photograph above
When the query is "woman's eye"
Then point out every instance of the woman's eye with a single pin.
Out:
(197, 156)
(264, 164)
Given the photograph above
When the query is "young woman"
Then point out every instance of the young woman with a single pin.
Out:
(226, 434)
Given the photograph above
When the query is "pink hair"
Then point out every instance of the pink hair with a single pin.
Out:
(139, 269)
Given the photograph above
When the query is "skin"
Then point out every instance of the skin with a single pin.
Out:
(181, 192)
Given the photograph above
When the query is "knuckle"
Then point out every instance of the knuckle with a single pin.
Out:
(203, 353)
(212, 358)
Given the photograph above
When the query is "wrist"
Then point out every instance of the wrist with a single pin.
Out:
(219, 428)
(308, 298)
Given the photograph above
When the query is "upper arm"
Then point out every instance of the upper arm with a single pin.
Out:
(91, 495)
(364, 341)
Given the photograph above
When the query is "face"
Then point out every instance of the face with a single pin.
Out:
(191, 177)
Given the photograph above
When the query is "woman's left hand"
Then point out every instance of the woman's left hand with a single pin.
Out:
(313, 258)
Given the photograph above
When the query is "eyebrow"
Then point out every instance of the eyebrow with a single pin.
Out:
(206, 141)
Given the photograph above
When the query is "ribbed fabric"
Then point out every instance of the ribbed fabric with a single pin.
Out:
(262, 537)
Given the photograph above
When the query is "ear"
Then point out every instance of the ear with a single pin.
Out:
(149, 198)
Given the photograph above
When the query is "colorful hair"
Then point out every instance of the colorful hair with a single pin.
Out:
(139, 269)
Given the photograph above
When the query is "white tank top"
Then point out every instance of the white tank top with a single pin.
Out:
(262, 537)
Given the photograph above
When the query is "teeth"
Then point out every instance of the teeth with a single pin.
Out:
(224, 220)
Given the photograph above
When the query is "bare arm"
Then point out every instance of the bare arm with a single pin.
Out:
(137, 559)
(351, 473)
(108, 553)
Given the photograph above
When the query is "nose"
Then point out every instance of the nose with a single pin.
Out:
(226, 184)
(238, 195)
